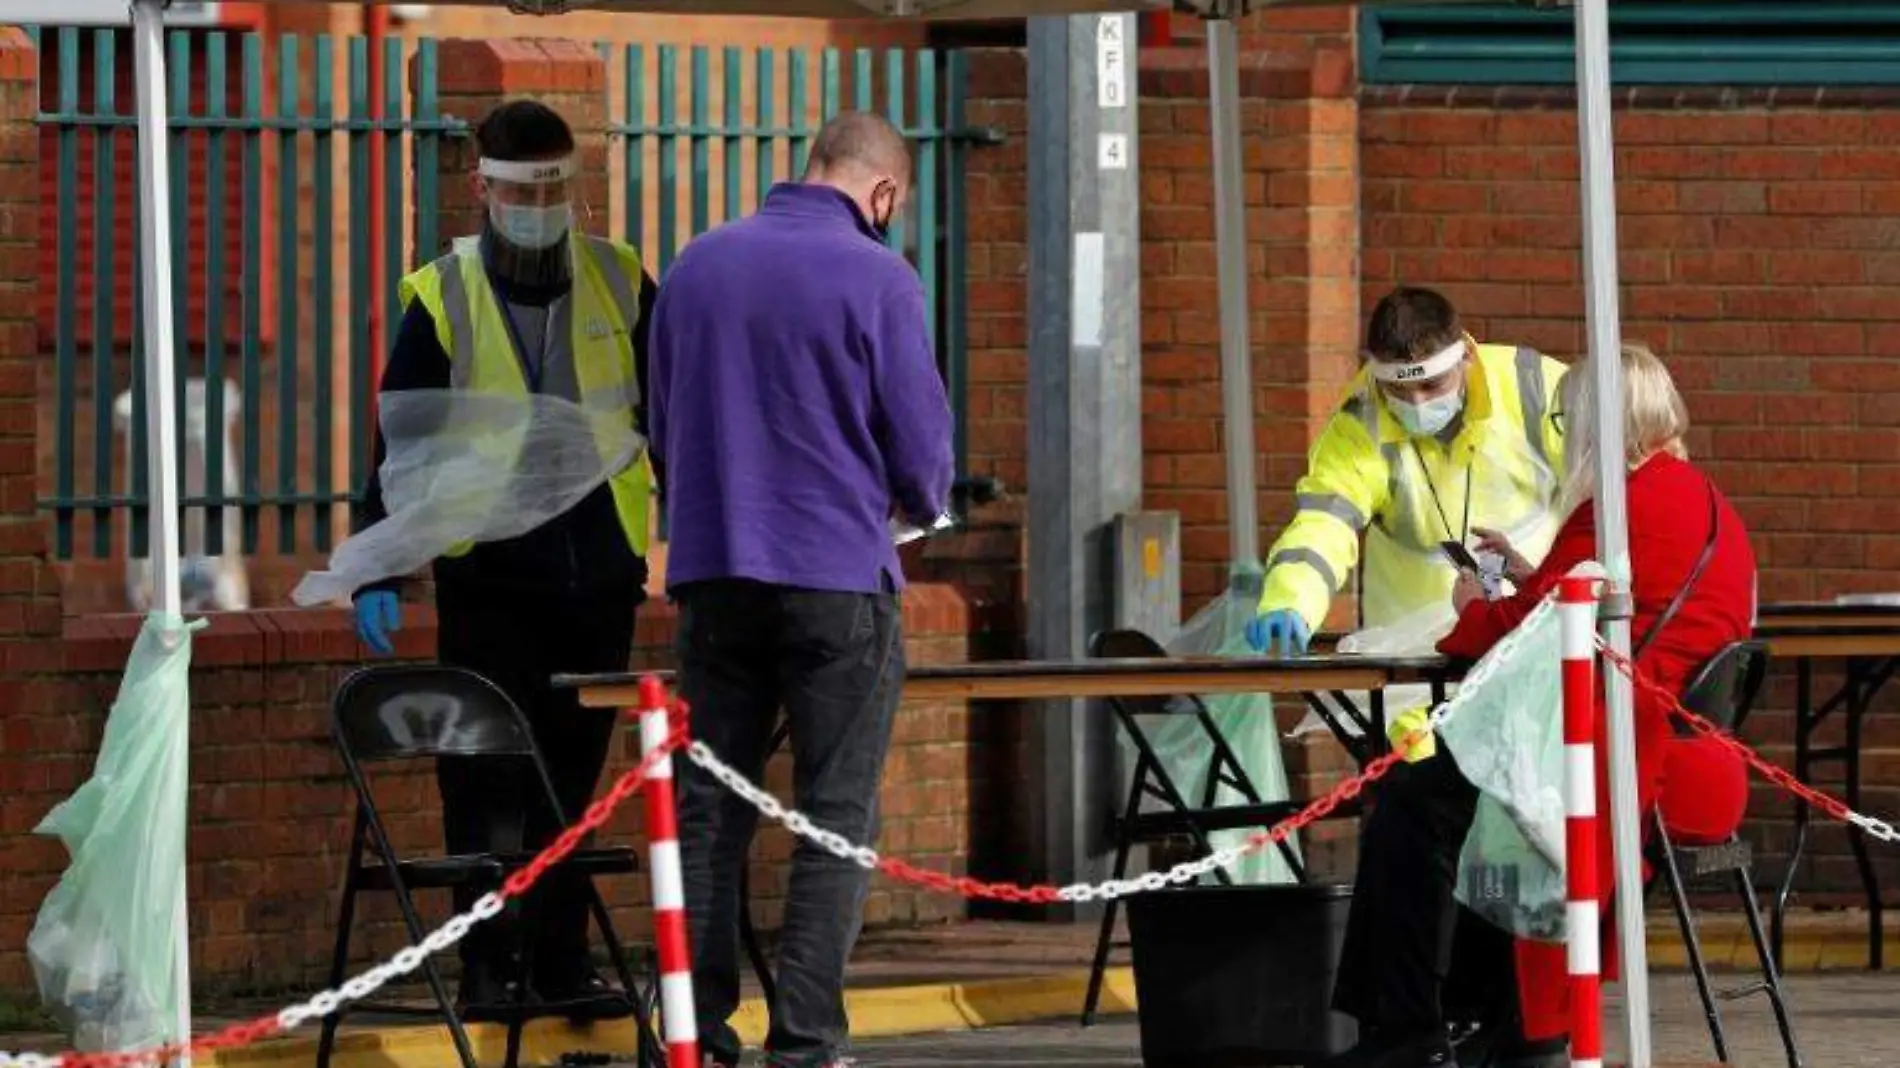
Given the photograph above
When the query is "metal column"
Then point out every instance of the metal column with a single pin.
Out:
(1084, 399)
(1230, 244)
(1597, 152)
(155, 274)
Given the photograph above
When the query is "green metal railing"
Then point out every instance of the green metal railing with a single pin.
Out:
(769, 113)
(275, 149)
(255, 210)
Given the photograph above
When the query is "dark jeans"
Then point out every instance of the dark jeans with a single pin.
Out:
(835, 663)
(519, 641)
(1413, 956)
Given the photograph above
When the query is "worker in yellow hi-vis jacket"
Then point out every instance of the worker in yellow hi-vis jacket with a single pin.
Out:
(1440, 439)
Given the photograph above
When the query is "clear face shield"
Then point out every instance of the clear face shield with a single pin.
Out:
(1425, 395)
(530, 202)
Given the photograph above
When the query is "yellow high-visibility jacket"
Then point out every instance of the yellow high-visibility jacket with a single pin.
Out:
(590, 358)
(1500, 463)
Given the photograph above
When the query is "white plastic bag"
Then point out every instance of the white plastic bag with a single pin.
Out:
(1508, 740)
(1245, 722)
(464, 467)
(1417, 634)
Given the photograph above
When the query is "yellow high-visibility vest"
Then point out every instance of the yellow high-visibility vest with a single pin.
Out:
(1367, 476)
(588, 358)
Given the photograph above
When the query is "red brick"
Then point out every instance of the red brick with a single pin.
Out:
(1815, 198)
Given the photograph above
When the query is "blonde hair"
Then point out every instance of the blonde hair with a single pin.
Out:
(1654, 418)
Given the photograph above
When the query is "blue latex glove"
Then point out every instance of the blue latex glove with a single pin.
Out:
(1282, 633)
(378, 615)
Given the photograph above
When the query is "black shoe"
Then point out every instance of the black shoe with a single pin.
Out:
(1550, 1053)
(582, 997)
(485, 997)
(1431, 1049)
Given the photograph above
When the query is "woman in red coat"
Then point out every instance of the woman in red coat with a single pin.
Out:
(1684, 537)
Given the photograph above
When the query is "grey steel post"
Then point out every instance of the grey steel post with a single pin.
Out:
(1230, 245)
(1084, 399)
(155, 274)
(1597, 150)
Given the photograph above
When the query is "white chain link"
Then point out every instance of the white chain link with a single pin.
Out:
(1179, 875)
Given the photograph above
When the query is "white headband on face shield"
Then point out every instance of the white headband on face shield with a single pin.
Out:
(527, 172)
(1441, 363)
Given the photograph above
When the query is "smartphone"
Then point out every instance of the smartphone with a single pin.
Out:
(1461, 557)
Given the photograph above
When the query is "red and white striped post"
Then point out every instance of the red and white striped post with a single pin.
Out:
(1576, 611)
(669, 889)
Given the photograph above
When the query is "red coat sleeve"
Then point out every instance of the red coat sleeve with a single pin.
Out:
(1485, 623)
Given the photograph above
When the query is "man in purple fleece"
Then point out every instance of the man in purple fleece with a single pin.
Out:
(797, 407)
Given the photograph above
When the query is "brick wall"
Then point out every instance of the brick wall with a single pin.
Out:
(270, 806)
(1298, 134)
(1759, 246)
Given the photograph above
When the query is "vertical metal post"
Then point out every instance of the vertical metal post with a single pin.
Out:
(1084, 395)
(1230, 244)
(155, 271)
(1596, 151)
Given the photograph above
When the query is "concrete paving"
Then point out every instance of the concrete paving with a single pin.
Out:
(1843, 1020)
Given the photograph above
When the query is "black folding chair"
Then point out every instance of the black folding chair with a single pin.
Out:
(1722, 693)
(1151, 782)
(405, 713)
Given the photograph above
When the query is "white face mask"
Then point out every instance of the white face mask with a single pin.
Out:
(529, 227)
(1427, 417)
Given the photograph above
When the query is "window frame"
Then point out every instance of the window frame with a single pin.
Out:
(1653, 42)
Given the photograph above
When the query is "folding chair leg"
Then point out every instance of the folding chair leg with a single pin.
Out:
(1692, 942)
(458, 1034)
(524, 970)
(1100, 965)
(645, 1045)
(340, 959)
(1771, 975)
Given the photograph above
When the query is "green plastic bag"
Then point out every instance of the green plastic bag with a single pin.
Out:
(1245, 722)
(104, 948)
(1508, 741)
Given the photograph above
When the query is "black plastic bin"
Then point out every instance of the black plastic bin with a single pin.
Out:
(1239, 976)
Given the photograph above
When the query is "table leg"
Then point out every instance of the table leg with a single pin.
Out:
(1865, 677)
(1803, 729)
(748, 934)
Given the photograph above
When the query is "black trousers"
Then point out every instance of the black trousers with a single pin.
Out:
(519, 641)
(1414, 958)
(835, 663)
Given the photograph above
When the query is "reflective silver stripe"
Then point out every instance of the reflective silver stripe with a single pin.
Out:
(559, 377)
(455, 308)
(1394, 458)
(626, 299)
(1311, 559)
(1530, 396)
(1334, 505)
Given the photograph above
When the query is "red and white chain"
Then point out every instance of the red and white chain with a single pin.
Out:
(404, 962)
(1179, 875)
(1833, 807)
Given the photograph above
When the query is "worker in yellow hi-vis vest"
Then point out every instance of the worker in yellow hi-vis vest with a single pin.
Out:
(1441, 445)
(525, 308)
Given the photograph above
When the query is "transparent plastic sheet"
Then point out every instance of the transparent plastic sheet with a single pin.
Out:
(1245, 721)
(1416, 634)
(472, 467)
(104, 948)
(1508, 741)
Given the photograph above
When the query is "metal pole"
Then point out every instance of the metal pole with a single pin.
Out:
(1230, 245)
(1084, 400)
(1597, 150)
(155, 273)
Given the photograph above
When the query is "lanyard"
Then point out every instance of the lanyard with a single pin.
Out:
(1461, 535)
